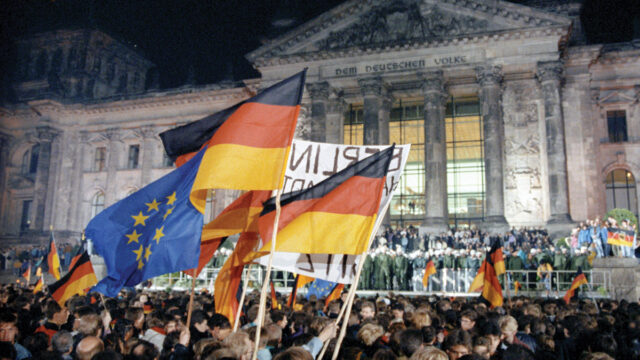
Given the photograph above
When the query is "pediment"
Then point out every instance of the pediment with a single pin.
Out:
(380, 24)
(617, 97)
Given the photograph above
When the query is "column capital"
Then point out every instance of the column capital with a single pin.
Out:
(550, 71)
(432, 81)
(336, 105)
(47, 133)
(146, 131)
(83, 137)
(489, 75)
(373, 86)
(112, 134)
(319, 90)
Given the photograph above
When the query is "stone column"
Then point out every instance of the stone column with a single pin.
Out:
(113, 159)
(42, 190)
(319, 93)
(83, 151)
(376, 110)
(549, 75)
(148, 135)
(489, 77)
(435, 154)
(5, 146)
(335, 120)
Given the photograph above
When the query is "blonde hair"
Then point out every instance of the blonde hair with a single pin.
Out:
(421, 318)
(508, 323)
(369, 333)
(429, 353)
(237, 342)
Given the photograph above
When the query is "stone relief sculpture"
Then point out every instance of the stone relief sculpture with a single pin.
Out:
(402, 21)
(303, 126)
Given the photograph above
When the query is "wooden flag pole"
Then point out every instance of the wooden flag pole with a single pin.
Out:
(354, 286)
(241, 303)
(193, 286)
(266, 280)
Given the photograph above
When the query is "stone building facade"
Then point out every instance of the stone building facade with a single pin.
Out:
(514, 121)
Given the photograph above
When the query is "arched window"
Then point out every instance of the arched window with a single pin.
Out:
(25, 162)
(621, 190)
(97, 204)
(30, 160)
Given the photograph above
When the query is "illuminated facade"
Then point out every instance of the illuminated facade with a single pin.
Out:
(513, 121)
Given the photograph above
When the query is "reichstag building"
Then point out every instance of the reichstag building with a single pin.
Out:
(513, 119)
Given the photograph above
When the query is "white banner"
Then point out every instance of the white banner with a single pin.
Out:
(310, 163)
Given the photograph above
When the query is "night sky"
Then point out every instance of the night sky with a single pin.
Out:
(207, 39)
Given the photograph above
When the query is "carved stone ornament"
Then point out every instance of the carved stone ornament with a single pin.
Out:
(402, 21)
(47, 133)
(113, 134)
(372, 86)
(319, 90)
(550, 71)
(489, 75)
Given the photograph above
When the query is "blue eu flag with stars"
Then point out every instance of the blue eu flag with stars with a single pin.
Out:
(320, 288)
(154, 231)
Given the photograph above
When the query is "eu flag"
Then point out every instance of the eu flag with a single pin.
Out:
(320, 288)
(154, 231)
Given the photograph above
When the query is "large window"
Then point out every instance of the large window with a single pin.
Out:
(25, 221)
(617, 125)
(97, 204)
(465, 161)
(134, 154)
(354, 126)
(100, 159)
(621, 191)
(30, 157)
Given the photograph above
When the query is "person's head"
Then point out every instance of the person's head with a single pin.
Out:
(273, 335)
(56, 314)
(136, 316)
(7, 351)
(367, 310)
(87, 347)
(219, 326)
(482, 347)
(90, 325)
(62, 342)
(278, 317)
(199, 320)
(369, 333)
(468, 319)
(457, 344)
(410, 341)
(8, 327)
(240, 343)
(397, 310)
(429, 353)
(508, 327)
(421, 318)
(294, 353)
(107, 355)
(143, 350)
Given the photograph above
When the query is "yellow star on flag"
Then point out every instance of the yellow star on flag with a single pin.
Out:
(138, 252)
(171, 198)
(134, 236)
(140, 264)
(169, 211)
(147, 253)
(158, 235)
(140, 219)
(152, 205)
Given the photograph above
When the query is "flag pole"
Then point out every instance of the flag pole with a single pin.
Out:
(193, 286)
(241, 303)
(354, 286)
(267, 277)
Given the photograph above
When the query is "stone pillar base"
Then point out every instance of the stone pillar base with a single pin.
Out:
(624, 274)
(495, 225)
(560, 225)
(434, 226)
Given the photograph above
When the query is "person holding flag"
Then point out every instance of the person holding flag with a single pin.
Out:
(579, 280)
(53, 259)
(486, 280)
(429, 270)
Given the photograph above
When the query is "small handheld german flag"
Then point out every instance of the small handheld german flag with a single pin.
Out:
(39, 284)
(429, 270)
(578, 281)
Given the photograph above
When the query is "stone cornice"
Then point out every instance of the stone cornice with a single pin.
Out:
(477, 39)
(522, 16)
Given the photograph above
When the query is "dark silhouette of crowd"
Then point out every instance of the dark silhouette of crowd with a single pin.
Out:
(152, 325)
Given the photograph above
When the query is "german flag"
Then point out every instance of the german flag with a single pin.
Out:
(27, 274)
(487, 278)
(79, 278)
(333, 295)
(517, 286)
(39, 284)
(53, 260)
(429, 270)
(620, 237)
(247, 144)
(228, 280)
(76, 256)
(300, 281)
(336, 216)
(578, 281)
(274, 296)
(39, 271)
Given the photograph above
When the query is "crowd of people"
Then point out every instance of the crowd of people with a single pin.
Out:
(18, 258)
(152, 325)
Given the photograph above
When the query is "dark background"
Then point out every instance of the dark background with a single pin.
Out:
(206, 40)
